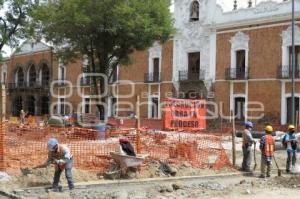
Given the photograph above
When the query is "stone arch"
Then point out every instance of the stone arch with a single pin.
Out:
(19, 76)
(287, 36)
(31, 74)
(44, 73)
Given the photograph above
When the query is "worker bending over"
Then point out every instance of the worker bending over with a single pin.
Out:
(61, 157)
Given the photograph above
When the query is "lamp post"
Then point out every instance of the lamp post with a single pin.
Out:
(293, 62)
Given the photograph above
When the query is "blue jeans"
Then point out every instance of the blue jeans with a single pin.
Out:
(291, 159)
(247, 155)
(69, 176)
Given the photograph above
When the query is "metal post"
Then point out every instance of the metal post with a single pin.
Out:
(2, 166)
(293, 62)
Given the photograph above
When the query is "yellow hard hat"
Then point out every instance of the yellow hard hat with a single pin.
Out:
(269, 129)
(291, 127)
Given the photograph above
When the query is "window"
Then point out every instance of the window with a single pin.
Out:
(239, 108)
(62, 107)
(240, 64)
(156, 65)
(32, 76)
(20, 77)
(297, 57)
(45, 75)
(241, 59)
(289, 108)
(87, 105)
(155, 76)
(154, 107)
(194, 11)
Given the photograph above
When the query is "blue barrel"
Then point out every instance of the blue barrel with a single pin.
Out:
(101, 129)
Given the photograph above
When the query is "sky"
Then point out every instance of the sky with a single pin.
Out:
(226, 4)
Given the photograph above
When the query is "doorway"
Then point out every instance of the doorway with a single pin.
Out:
(31, 105)
(239, 108)
(154, 107)
(194, 65)
(289, 109)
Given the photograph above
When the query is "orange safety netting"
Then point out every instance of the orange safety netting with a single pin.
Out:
(27, 147)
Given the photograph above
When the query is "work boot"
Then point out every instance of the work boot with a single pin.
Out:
(56, 189)
(268, 175)
(288, 171)
(262, 176)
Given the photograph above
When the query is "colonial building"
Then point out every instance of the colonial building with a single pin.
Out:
(39, 84)
(239, 59)
(253, 62)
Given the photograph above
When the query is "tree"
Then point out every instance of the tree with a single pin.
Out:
(14, 21)
(106, 31)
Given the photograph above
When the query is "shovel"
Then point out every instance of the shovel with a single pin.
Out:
(254, 152)
(278, 170)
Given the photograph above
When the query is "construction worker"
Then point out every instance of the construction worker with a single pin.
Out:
(125, 147)
(22, 117)
(246, 146)
(290, 143)
(267, 147)
(61, 157)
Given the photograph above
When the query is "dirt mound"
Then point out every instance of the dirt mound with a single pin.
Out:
(152, 170)
(44, 177)
(288, 182)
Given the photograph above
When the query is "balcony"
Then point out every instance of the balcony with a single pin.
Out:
(285, 72)
(152, 77)
(189, 76)
(28, 85)
(236, 74)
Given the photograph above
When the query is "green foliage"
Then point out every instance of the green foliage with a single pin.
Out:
(108, 30)
(14, 21)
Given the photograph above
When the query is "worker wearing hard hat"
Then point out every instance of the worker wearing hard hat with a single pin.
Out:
(61, 157)
(267, 147)
(289, 141)
(246, 146)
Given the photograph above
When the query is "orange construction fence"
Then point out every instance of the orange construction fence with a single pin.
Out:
(27, 147)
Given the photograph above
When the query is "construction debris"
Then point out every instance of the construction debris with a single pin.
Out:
(4, 177)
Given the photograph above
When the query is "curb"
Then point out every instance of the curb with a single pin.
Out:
(94, 184)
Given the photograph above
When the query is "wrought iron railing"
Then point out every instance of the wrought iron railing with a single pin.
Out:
(285, 72)
(152, 77)
(189, 76)
(237, 73)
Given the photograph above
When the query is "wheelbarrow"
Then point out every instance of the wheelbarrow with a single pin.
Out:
(123, 163)
(128, 161)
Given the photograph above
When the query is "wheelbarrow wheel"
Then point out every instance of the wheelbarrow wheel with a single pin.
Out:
(114, 172)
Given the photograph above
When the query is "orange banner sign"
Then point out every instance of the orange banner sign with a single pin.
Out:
(184, 114)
